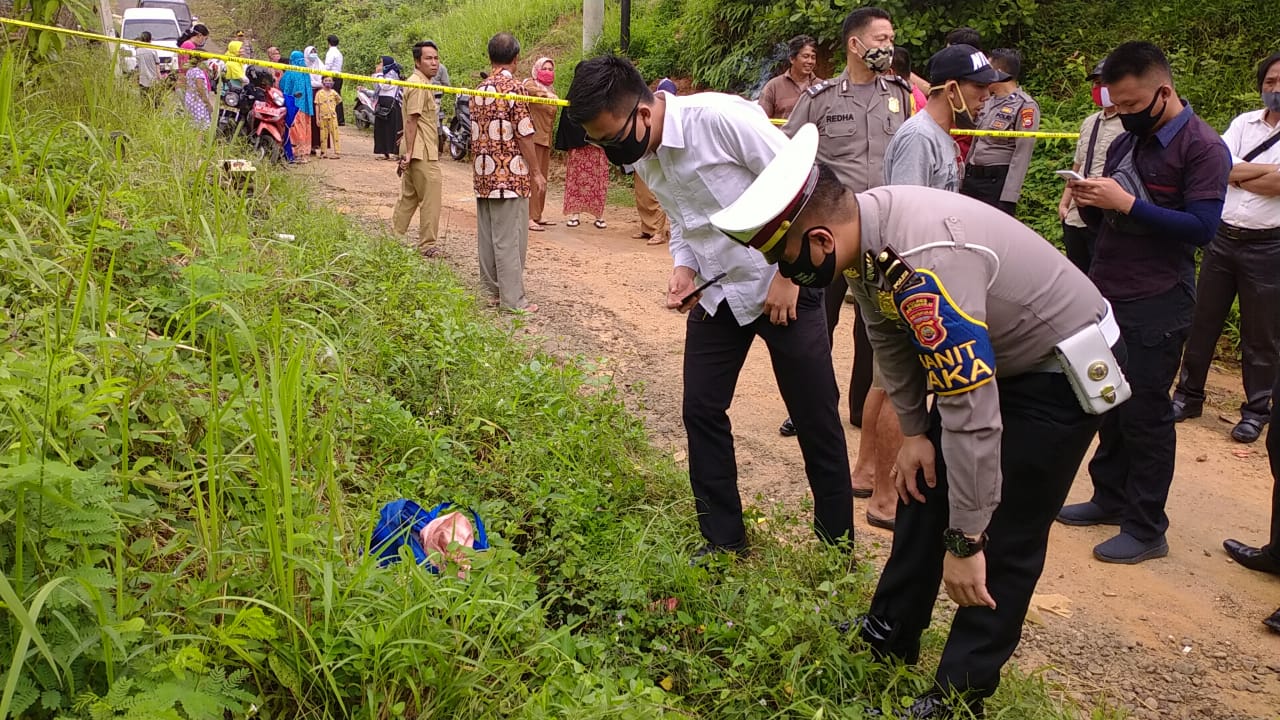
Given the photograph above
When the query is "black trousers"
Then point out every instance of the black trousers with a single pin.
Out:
(1045, 437)
(315, 122)
(988, 187)
(1079, 242)
(863, 354)
(342, 118)
(1251, 271)
(715, 349)
(1133, 466)
(1273, 453)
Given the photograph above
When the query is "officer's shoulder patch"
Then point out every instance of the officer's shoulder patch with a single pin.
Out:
(953, 347)
(1028, 117)
(816, 90)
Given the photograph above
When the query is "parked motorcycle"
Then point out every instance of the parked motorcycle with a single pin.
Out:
(366, 103)
(267, 127)
(236, 103)
(458, 133)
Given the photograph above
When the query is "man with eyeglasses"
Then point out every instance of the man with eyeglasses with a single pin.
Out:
(698, 154)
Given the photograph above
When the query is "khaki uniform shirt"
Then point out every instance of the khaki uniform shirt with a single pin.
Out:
(542, 114)
(780, 94)
(989, 298)
(423, 104)
(1015, 111)
(855, 124)
(1107, 130)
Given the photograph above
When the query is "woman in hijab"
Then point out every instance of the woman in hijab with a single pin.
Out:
(235, 70)
(315, 63)
(387, 122)
(544, 122)
(299, 104)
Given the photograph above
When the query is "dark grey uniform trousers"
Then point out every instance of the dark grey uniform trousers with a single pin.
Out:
(1133, 466)
(715, 347)
(1273, 452)
(863, 353)
(1249, 269)
(1045, 437)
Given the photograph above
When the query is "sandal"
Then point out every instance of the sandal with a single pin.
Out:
(535, 227)
(600, 224)
(574, 222)
(879, 522)
(657, 240)
(545, 223)
(642, 236)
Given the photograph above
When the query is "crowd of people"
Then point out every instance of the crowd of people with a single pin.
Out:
(985, 361)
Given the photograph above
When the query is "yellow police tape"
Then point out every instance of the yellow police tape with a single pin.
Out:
(283, 66)
(995, 133)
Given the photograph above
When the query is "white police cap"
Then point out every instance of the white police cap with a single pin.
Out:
(760, 217)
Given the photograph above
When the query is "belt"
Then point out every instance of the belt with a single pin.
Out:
(986, 171)
(1232, 232)
(1110, 332)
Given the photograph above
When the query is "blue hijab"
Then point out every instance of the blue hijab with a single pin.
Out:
(298, 84)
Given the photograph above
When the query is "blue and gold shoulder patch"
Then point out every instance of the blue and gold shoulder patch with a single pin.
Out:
(953, 347)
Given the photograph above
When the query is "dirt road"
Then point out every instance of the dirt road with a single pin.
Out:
(1174, 638)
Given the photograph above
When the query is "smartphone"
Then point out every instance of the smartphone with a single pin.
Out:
(1068, 174)
(685, 300)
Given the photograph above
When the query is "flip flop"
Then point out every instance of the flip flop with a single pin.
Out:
(860, 493)
(600, 224)
(642, 236)
(877, 521)
(572, 223)
(535, 227)
(546, 223)
(656, 241)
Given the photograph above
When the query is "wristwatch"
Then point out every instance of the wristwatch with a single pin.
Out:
(959, 544)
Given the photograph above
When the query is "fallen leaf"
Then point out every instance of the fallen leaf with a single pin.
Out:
(1059, 605)
(1202, 458)
(681, 455)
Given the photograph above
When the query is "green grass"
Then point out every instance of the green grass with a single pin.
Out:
(206, 398)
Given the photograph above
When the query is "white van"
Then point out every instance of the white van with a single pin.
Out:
(179, 8)
(163, 26)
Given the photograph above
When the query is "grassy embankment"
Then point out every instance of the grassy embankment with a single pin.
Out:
(206, 398)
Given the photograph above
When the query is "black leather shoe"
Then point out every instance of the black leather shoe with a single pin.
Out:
(933, 707)
(1247, 430)
(1251, 557)
(704, 554)
(788, 428)
(1184, 411)
(1273, 622)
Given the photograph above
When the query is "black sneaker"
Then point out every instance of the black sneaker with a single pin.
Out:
(705, 553)
(788, 428)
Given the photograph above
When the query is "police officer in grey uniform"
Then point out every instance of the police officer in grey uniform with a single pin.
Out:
(998, 166)
(1019, 349)
(856, 114)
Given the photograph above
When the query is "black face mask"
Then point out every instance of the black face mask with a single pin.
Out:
(802, 271)
(625, 148)
(1141, 123)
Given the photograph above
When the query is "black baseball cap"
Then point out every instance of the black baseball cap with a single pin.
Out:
(963, 62)
(1097, 71)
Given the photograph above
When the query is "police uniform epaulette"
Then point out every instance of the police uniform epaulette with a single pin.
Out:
(894, 272)
(898, 81)
(816, 90)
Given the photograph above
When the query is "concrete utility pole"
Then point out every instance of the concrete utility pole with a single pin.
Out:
(592, 24)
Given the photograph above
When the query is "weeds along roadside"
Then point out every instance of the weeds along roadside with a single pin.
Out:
(200, 420)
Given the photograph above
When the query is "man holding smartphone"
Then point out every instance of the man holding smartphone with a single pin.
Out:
(698, 154)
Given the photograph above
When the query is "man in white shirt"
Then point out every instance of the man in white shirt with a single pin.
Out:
(333, 62)
(1243, 259)
(698, 154)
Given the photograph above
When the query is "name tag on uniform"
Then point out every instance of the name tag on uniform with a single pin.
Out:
(952, 347)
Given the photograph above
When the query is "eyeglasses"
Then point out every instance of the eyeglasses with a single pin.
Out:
(628, 129)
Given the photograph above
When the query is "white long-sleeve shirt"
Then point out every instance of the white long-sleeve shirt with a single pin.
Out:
(333, 59)
(713, 147)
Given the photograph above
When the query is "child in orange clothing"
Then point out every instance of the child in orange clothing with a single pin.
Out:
(327, 102)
